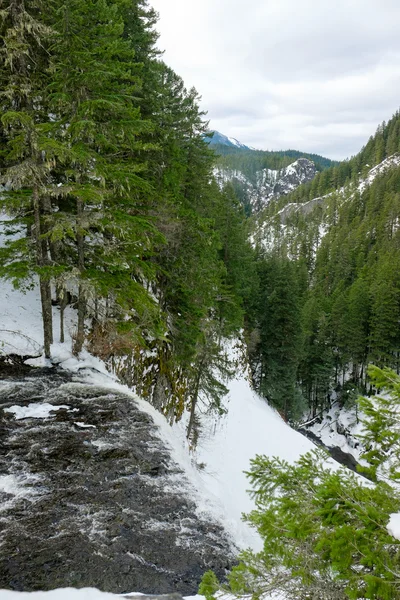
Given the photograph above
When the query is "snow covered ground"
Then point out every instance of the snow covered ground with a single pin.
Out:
(227, 445)
(71, 594)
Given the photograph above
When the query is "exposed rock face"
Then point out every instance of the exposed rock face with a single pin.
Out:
(318, 217)
(270, 184)
(90, 496)
(301, 171)
(304, 208)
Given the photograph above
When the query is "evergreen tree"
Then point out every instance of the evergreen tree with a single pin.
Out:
(357, 327)
(385, 311)
(325, 532)
(280, 334)
(94, 88)
(28, 154)
(208, 375)
(316, 369)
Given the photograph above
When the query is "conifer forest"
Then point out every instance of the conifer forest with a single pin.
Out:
(116, 204)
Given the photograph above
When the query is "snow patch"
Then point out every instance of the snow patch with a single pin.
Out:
(269, 183)
(35, 411)
(388, 163)
(9, 484)
(227, 445)
(340, 428)
(393, 526)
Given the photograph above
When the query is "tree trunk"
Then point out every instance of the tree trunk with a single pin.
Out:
(80, 336)
(192, 415)
(194, 401)
(63, 299)
(46, 210)
(44, 283)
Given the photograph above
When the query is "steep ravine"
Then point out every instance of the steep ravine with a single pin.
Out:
(90, 495)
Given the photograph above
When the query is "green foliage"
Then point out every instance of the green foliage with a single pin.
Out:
(277, 354)
(324, 531)
(383, 144)
(349, 243)
(209, 585)
(382, 433)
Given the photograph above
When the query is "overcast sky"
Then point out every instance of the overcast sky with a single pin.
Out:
(314, 75)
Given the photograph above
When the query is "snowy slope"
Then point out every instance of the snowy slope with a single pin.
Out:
(249, 428)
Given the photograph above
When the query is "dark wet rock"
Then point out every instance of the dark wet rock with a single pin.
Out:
(102, 506)
(14, 364)
(343, 458)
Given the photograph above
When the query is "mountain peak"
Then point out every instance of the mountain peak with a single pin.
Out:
(224, 140)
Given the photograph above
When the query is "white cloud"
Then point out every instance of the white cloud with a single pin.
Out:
(316, 75)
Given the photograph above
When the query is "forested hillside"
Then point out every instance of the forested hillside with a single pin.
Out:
(109, 201)
(249, 161)
(329, 301)
(384, 143)
(257, 176)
